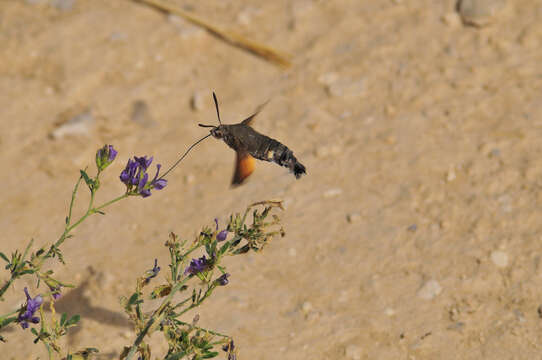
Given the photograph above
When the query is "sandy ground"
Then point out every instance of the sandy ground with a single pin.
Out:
(416, 233)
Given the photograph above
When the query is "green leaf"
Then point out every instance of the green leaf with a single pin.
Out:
(88, 180)
(210, 355)
(176, 356)
(133, 299)
(63, 319)
(74, 320)
(34, 331)
(4, 257)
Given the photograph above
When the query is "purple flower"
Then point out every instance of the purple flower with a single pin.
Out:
(197, 265)
(223, 280)
(221, 236)
(153, 272)
(230, 349)
(32, 305)
(135, 174)
(105, 156)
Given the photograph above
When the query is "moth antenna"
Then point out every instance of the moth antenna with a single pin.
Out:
(206, 126)
(216, 105)
(184, 155)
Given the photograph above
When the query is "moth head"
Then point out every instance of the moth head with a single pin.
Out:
(217, 132)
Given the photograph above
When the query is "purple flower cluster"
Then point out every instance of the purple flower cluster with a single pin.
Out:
(197, 265)
(32, 305)
(135, 175)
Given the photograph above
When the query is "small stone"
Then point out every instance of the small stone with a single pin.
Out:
(389, 312)
(499, 258)
(451, 19)
(328, 78)
(292, 252)
(353, 217)
(63, 5)
(480, 12)
(333, 192)
(324, 151)
(141, 114)
(451, 176)
(189, 179)
(347, 88)
(197, 102)
(412, 228)
(353, 352)
(185, 29)
(307, 307)
(118, 36)
(429, 290)
(77, 125)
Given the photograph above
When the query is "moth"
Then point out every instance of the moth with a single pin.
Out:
(250, 145)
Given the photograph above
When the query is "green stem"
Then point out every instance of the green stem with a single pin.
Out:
(203, 329)
(156, 316)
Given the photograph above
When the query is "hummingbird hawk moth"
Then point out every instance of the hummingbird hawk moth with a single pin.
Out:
(250, 145)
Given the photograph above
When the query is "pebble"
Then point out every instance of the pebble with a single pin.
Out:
(141, 114)
(451, 175)
(185, 29)
(452, 19)
(197, 102)
(480, 12)
(429, 290)
(64, 5)
(307, 307)
(389, 312)
(353, 352)
(353, 217)
(326, 150)
(347, 88)
(292, 252)
(328, 78)
(77, 125)
(333, 192)
(499, 258)
(189, 179)
(412, 228)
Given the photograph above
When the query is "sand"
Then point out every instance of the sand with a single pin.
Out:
(416, 232)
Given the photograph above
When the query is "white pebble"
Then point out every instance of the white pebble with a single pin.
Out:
(480, 12)
(333, 192)
(353, 352)
(429, 290)
(389, 312)
(451, 19)
(499, 258)
(353, 217)
(197, 102)
(306, 307)
(77, 125)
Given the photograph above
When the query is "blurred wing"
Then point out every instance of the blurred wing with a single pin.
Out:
(248, 120)
(244, 166)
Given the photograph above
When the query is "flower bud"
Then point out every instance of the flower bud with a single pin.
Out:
(105, 156)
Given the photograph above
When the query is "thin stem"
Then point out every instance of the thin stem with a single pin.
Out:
(203, 329)
(73, 199)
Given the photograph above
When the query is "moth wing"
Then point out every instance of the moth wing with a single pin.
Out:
(248, 120)
(244, 166)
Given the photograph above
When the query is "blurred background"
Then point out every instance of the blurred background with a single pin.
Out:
(416, 233)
